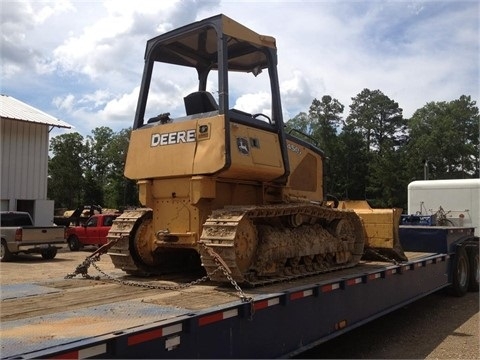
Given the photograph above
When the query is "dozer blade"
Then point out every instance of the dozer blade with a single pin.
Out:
(381, 230)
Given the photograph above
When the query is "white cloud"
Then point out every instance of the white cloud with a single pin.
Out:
(88, 53)
(297, 94)
(85, 59)
(120, 108)
(254, 103)
(107, 43)
(20, 22)
(125, 8)
(49, 9)
(98, 99)
(9, 70)
(65, 103)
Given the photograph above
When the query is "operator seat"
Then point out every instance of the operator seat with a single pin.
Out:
(200, 102)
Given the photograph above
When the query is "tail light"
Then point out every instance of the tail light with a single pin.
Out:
(18, 234)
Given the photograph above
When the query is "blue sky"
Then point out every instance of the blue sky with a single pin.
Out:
(81, 61)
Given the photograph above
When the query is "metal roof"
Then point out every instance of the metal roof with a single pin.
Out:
(11, 108)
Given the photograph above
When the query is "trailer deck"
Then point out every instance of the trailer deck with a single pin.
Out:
(78, 318)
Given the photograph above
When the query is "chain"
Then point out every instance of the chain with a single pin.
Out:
(82, 269)
(383, 257)
(89, 260)
(226, 272)
(152, 286)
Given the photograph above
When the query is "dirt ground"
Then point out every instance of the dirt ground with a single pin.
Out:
(32, 268)
(436, 327)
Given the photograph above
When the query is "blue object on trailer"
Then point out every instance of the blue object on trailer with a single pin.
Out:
(436, 239)
(418, 220)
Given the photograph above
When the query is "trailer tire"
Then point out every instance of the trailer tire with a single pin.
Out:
(474, 271)
(460, 273)
(5, 254)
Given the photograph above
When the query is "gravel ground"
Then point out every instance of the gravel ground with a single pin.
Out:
(438, 326)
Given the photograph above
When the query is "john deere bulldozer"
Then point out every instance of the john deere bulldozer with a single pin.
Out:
(220, 181)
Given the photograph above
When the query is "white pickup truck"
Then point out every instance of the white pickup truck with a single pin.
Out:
(18, 235)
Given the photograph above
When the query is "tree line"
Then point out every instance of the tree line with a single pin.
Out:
(89, 171)
(373, 153)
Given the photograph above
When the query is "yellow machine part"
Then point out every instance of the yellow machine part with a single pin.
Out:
(381, 228)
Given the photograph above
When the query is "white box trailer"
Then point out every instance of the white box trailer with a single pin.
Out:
(459, 199)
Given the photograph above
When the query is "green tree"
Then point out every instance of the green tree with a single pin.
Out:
(380, 122)
(387, 180)
(320, 127)
(97, 164)
(325, 117)
(65, 167)
(379, 119)
(119, 191)
(444, 140)
(90, 171)
(320, 124)
(300, 125)
(351, 164)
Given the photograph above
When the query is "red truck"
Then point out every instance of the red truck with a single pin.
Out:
(93, 232)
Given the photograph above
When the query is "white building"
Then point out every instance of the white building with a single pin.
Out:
(24, 142)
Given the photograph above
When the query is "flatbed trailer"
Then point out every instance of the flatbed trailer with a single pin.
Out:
(111, 319)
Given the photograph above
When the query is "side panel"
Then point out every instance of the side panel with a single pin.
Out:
(93, 234)
(255, 154)
(439, 239)
(195, 146)
(300, 318)
(81, 233)
(306, 173)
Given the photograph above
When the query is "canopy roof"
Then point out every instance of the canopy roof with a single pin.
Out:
(197, 45)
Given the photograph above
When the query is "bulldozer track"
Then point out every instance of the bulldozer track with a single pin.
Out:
(230, 239)
(223, 229)
(120, 232)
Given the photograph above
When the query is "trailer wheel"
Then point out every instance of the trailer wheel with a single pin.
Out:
(49, 254)
(5, 254)
(474, 271)
(460, 273)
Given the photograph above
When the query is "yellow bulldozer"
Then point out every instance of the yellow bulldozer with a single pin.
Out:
(224, 185)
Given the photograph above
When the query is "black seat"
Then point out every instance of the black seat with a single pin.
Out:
(200, 102)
